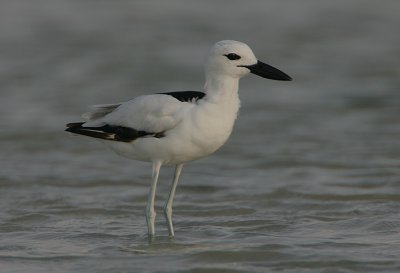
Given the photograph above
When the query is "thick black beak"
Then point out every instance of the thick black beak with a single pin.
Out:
(266, 71)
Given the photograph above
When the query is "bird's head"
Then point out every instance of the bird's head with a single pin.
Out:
(236, 59)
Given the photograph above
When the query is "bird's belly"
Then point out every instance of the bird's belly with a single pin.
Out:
(194, 139)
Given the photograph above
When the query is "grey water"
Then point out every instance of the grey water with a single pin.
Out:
(308, 182)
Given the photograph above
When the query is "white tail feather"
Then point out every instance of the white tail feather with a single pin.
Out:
(99, 111)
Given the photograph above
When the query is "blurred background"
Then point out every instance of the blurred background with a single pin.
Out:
(309, 180)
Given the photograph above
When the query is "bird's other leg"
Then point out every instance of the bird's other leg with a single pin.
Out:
(150, 212)
(170, 200)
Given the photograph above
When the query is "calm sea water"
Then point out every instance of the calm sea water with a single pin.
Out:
(308, 182)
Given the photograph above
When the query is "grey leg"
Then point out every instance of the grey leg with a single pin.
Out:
(168, 204)
(150, 212)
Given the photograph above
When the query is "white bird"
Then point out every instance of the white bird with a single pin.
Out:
(177, 127)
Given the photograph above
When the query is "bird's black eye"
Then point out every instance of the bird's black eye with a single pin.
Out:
(232, 56)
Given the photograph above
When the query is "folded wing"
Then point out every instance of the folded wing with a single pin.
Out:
(144, 116)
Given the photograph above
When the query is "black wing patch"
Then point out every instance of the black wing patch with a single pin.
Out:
(109, 132)
(186, 96)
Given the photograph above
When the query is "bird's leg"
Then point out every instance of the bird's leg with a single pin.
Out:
(150, 212)
(168, 204)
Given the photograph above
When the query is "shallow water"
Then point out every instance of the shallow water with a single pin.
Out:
(308, 182)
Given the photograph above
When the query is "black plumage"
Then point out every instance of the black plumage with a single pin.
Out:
(110, 132)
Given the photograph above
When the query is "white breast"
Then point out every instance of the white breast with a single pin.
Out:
(212, 123)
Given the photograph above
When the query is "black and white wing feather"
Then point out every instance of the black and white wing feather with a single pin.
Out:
(144, 116)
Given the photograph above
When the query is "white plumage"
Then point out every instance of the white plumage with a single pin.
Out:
(177, 127)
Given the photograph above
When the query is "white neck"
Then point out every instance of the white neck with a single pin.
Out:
(222, 99)
(220, 89)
